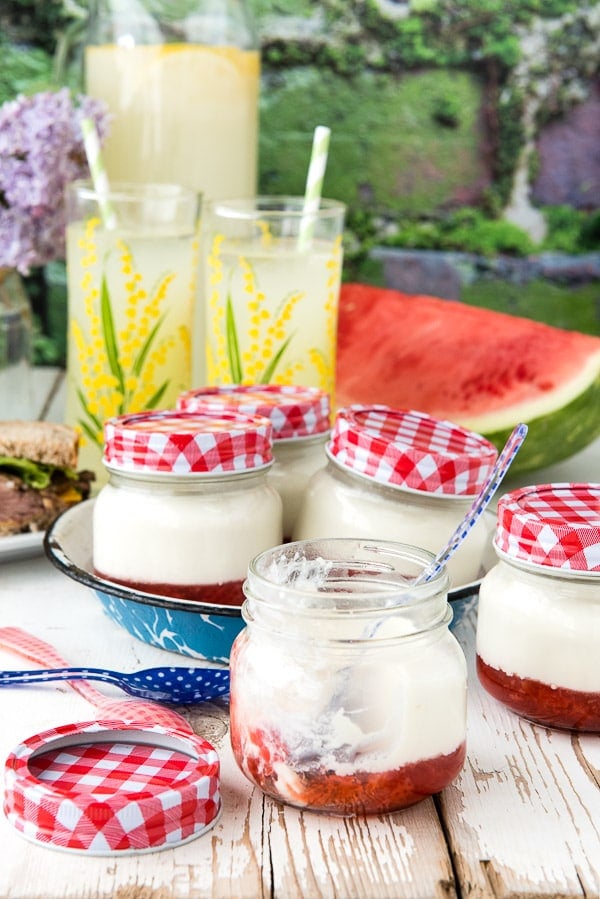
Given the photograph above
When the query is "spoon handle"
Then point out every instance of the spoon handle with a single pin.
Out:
(481, 502)
(42, 675)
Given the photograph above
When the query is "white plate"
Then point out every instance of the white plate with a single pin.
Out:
(21, 545)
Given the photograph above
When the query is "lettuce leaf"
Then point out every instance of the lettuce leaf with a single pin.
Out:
(35, 474)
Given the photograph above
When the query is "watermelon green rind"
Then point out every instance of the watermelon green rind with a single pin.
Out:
(482, 369)
(559, 434)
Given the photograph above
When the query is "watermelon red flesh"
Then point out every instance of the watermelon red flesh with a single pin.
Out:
(483, 369)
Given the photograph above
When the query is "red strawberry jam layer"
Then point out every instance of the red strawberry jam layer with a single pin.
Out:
(321, 789)
(226, 594)
(552, 706)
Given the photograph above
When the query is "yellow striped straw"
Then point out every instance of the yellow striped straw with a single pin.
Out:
(314, 184)
(91, 142)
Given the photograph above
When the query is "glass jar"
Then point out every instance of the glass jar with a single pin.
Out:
(16, 330)
(187, 505)
(348, 691)
(300, 417)
(401, 476)
(181, 81)
(538, 627)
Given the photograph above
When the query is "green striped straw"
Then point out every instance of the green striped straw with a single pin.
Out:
(91, 142)
(314, 184)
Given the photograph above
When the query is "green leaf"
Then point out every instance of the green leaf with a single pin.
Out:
(35, 474)
(110, 339)
(156, 397)
(233, 348)
(138, 365)
(93, 425)
(93, 418)
(93, 435)
(270, 369)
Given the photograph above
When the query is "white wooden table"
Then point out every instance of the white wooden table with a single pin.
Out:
(522, 820)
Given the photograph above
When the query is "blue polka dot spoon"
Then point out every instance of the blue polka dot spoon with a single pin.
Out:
(132, 711)
(165, 684)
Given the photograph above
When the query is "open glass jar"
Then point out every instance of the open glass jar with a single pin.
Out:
(348, 691)
(538, 627)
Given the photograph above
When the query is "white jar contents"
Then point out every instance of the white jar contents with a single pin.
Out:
(538, 627)
(187, 505)
(401, 476)
(348, 691)
(300, 418)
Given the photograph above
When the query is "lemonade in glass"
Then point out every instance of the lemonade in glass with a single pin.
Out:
(271, 291)
(131, 297)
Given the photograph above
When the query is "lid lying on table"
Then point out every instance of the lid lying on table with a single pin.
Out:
(110, 788)
(554, 525)
(181, 443)
(411, 450)
(293, 411)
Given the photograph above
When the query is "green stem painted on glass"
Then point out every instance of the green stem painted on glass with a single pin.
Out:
(233, 347)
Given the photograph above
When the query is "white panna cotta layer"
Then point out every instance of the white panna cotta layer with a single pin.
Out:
(155, 536)
(386, 707)
(343, 505)
(542, 627)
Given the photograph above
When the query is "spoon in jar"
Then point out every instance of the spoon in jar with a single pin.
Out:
(479, 505)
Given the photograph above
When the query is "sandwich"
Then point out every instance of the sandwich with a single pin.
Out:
(38, 475)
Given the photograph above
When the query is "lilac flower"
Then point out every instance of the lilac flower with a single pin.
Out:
(41, 151)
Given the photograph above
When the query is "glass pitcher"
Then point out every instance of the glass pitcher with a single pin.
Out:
(181, 81)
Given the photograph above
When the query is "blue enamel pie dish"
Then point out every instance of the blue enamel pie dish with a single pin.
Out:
(201, 630)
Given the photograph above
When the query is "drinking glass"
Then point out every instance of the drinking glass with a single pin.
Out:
(132, 259)
(15, 347)
(272, 279)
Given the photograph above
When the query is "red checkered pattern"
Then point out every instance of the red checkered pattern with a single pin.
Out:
(554, 525)
(411, 450)
(188, 443)
(293, 411)
(107, 788)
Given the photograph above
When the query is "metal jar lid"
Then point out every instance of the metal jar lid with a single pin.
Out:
(553, 525)
(170, 442)
(411, 450)
(292, 410)
(111, 788)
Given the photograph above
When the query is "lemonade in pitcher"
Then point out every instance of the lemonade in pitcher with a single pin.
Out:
(180, 112)
(181, 81)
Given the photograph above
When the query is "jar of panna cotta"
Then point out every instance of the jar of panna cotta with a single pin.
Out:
(187, 505)
(348, 691)
(300, 417)
(538, 627)
(401, 475)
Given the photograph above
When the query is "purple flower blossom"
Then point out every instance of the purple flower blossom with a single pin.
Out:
(41, 151)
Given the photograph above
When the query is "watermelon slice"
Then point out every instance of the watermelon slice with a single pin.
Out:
(481, 369)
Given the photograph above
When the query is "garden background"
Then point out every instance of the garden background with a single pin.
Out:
(465, 140)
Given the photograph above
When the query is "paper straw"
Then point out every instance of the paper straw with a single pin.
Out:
(314, 184)
(91, 143)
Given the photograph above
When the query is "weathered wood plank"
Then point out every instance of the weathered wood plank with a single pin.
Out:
(524, 816)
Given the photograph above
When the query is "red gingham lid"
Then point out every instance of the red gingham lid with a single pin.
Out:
(187, 443)
(293, 411)
(411, 450)
(555, 525)
(106, 787)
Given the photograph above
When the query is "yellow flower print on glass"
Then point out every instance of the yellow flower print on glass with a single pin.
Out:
(271, 304)
(131, 301)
